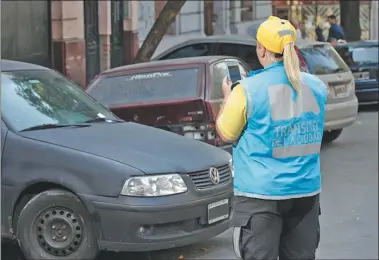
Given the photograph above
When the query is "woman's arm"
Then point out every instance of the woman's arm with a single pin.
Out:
(231, 119)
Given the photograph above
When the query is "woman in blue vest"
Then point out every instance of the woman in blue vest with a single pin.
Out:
(275, 118)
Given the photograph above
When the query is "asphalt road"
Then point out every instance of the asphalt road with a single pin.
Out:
(349, 221)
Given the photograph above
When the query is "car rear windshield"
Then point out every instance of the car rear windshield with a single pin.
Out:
(151, 86)
(323, 59)
(359, 55)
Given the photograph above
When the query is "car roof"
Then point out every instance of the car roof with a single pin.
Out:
(163, 63)
(365, 43)
(11, 65)
(241, 39)
(230, 38)
(305, 43)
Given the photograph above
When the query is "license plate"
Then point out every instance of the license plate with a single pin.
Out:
(218, 211)
(362, 75)
(340, 91)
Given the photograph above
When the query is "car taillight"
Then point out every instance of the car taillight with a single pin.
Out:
(205, 132)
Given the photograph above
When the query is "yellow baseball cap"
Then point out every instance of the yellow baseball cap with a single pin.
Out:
(275, 33)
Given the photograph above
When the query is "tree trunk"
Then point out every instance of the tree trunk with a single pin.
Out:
(208, 17)
(164, 20)
(349, 11)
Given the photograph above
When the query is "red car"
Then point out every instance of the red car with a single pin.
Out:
(181, 95)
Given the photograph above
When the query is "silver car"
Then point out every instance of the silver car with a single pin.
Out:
(342, 106)
(318, 58)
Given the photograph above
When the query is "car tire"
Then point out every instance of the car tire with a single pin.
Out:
(330, 136)
(55, 224)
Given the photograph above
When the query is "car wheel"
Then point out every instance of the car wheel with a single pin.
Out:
(55, 224)
(330, 136)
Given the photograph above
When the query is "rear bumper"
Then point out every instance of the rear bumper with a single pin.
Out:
(166, 226)
(367, 93)
(340, 115)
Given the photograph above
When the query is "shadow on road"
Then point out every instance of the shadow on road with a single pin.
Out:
(368, 108)
(11, 251)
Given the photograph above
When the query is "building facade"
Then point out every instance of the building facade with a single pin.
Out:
(374, 21)
(311, 13)
(201, 18)
(82, 38)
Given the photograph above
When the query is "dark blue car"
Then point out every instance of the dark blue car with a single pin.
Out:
(75, 179)
(362, 58)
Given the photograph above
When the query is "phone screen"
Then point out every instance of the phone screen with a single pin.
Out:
(234, 73)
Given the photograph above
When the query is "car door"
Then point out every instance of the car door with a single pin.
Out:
(247, 53)
(5, 209)
(192, 50)
(4, 131)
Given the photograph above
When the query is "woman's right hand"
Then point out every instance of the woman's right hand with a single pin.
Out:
(226, 87)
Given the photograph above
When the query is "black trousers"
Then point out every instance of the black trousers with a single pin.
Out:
(268, 229)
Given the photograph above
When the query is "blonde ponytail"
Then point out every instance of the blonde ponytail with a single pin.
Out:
(292, 66)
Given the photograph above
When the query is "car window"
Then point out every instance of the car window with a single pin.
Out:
(303, 64)
(359, 55)
(246, 53)
(219, 73)
(37, 97)
(194, 50)
(151, 86)
(244, 70)
(323, 59)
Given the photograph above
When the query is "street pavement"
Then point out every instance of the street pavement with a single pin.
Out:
(349, 220)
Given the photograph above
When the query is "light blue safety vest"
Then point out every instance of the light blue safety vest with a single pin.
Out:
(277, 155)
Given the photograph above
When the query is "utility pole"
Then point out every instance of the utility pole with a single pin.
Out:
(349, 11)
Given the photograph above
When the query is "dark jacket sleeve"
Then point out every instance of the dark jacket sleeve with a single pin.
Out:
(320, 36)
(336, 31)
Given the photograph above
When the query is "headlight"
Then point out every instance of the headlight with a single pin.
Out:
(231, 166)
(152, 186)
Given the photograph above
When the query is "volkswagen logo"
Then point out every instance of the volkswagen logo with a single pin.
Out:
(214, 175)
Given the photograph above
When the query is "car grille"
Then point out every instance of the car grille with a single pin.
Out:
(202, 180)
(162, 229)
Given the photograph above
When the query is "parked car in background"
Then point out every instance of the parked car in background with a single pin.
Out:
(75, 179)
(318, 58)
(362, 58)
(182, 96)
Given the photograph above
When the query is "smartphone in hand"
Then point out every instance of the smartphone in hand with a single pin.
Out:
(233, 70)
